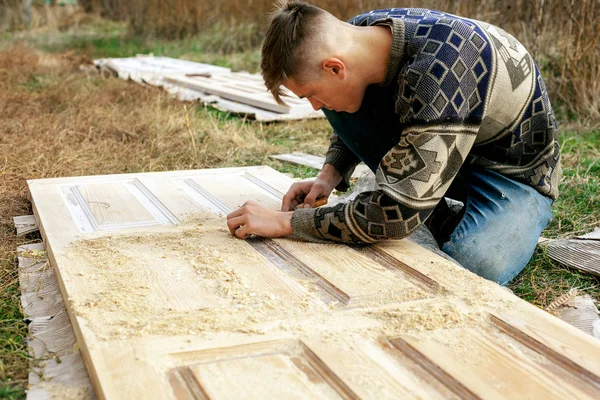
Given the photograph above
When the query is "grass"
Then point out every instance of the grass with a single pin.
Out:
(56, 120)
(221, 45)
(578, 210)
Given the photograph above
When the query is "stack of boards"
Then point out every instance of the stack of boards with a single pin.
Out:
(166, 304)
(236, 92)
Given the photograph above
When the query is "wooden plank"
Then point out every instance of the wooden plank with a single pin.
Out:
(25, 224)
(153, 70)
(551, 337)
(360, 279)
(424, 262)
(165, 303)
(136, 68)
(239, 109)
(255, 98)
(309, 160)
(350, 277)
(582, 254)
(120, 204)
(372, 374)
(56, 366)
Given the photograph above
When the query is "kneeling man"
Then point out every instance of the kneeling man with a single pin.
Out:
(435, 105)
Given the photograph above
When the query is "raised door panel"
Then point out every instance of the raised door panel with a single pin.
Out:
(113, 205)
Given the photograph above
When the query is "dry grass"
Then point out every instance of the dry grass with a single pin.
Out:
(57, 121)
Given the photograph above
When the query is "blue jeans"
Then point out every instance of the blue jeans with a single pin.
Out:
(500, 227)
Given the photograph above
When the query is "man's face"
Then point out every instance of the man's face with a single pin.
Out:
(328, 92)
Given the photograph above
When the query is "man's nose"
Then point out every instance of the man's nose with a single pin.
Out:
(316, 104)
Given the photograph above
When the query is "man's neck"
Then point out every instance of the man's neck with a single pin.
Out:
(371, 51)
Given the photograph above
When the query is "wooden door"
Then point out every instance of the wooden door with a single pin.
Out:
(166, 304)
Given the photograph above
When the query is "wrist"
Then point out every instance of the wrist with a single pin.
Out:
(286, 222)
(330, 175)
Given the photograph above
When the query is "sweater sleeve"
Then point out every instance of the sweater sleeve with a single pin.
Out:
(440, 120)
(413, 177)
(342, 158)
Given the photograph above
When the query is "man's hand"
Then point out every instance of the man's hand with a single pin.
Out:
(304, 194)
(254, 218)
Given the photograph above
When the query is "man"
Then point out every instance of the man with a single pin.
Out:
(436, 105)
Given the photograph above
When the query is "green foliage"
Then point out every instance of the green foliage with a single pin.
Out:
(10, 392)
(577, 209)
(297, 171)
(13, 349)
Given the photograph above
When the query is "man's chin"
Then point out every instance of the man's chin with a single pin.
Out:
(349, 109)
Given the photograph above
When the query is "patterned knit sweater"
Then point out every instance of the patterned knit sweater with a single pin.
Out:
(467, 92)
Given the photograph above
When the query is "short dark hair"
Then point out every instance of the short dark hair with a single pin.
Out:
(292, 24)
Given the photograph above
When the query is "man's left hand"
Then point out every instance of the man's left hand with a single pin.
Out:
(254, 218)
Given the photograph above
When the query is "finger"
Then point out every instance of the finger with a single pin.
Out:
(235, 223)
(297, 202)
(311, 197)
(290, 200)
(235, 213)
(286, 202)
(243, 232)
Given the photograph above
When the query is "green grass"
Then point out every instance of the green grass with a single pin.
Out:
(297, 171)
(235, 47)
(543, 280)
(578, 208)
(11, 393)
(13, 348)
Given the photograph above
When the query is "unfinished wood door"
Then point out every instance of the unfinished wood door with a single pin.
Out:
(166, 304)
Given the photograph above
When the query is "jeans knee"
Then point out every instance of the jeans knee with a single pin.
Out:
(494, 261)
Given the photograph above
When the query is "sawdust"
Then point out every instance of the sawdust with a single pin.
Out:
(125, 296)
(131, 292)
(202, 283)
(431, 317)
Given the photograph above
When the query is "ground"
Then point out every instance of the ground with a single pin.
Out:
(59, 119)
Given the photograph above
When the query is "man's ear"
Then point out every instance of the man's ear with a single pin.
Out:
(334, 66)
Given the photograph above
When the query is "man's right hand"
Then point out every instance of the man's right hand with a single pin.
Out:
(304, 194)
